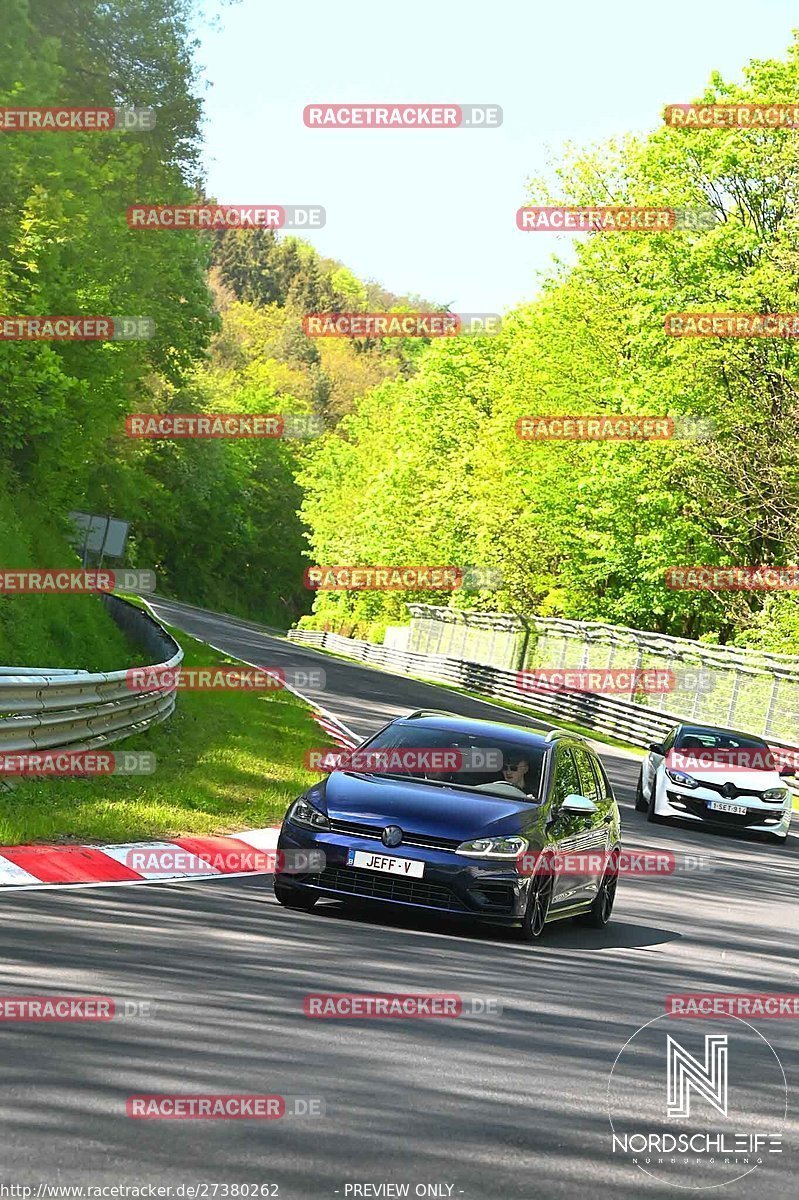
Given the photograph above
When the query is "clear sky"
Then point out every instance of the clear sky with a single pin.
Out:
(433, 212)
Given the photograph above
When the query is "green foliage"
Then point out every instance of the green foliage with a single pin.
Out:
(430, 470)
(51, 630)
(64, 243)
(421, 463)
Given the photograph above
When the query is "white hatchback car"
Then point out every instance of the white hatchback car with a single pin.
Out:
(717, 777)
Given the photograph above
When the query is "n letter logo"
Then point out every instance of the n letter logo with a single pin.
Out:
(708, 1079)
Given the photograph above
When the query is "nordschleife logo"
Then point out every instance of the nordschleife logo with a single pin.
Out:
(701, 1110)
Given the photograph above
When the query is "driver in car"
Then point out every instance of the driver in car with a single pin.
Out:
(514, 770)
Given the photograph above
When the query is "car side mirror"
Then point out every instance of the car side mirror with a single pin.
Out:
(786, 772)
(657, 748)
(579, 805)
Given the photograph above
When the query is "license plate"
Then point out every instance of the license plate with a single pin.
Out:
(385, 862)
(719, 806)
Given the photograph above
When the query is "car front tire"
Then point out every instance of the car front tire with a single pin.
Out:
(292, 897)
(651, 813)
(641, 804)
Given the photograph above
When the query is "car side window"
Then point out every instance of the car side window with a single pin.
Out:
(668, 741)
(588, 780)
(567, 779)
(605, 790)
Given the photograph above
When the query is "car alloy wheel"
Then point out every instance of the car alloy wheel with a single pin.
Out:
(601, 908)
(538, 901)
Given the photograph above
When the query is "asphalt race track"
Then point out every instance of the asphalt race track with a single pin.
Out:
(507, 1105)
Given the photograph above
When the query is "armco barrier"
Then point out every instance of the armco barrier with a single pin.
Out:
(78, 710)
(630, 722)
(750, 689)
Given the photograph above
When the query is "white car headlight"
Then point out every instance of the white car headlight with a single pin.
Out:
(303, 813)
(494, 847)
(682, 778)
(775, 793)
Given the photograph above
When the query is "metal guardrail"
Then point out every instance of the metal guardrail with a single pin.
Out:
(748, 688)
(632, 722)
(637, 724)
(78, 710)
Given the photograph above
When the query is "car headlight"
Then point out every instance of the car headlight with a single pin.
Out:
(775, 794)
(682, 778)
(493, 847)
(304, 813)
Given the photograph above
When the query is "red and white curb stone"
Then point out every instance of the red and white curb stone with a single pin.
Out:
(151, 862)
(138, 862)
(335, 730)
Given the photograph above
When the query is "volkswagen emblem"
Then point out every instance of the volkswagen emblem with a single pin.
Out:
(729, 790)
(391, 835)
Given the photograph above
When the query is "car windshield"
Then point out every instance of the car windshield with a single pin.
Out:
(496, 765)
(715, 748)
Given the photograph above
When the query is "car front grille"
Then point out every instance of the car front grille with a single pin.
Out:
(382, 886)
(730, 792)
(494, 895)
(408, 839)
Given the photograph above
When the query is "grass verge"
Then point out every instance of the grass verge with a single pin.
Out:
(225, 761)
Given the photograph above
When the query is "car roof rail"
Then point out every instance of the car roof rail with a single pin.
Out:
(429, 712)
(556, 733)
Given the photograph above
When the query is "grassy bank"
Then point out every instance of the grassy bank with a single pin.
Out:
(226, 761)
(51, 630)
